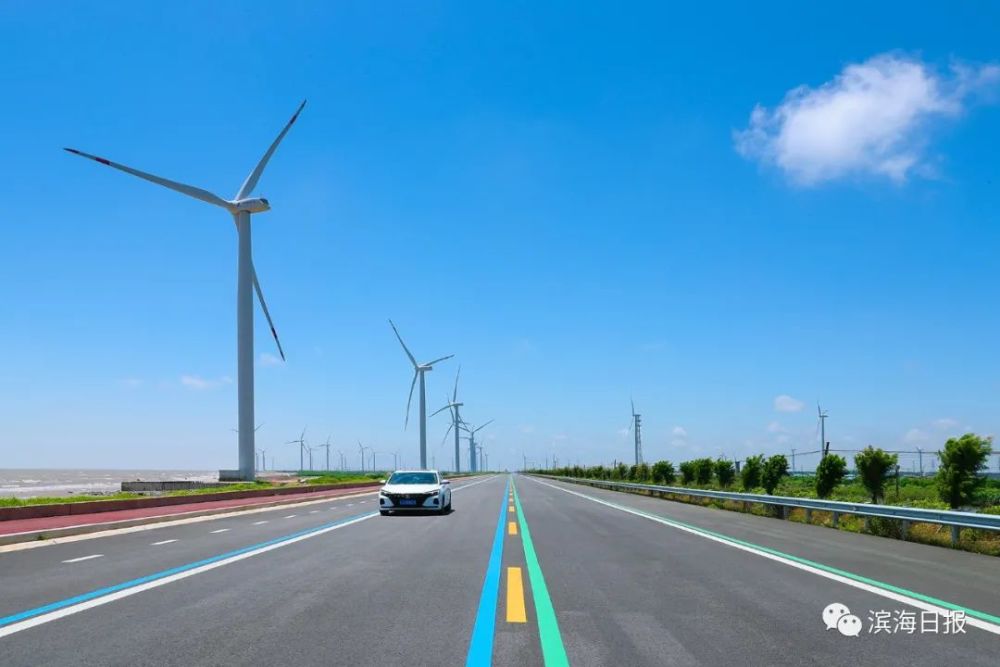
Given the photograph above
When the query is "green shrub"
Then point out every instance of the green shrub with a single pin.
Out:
(663, 473)
(725, 472)
(829, 474)
(750, 475)
(687, 473)
(703, 471)
(875, 466)
(962, 459)
(775, 468)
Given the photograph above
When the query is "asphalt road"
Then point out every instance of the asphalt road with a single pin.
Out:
(523, 572)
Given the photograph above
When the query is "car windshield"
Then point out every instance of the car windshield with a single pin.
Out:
(413, 478)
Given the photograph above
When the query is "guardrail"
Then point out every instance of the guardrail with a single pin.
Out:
(906, 515)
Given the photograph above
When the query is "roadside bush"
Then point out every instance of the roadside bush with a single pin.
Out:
(874, 467)
(642, 472)
(829, 474)
(962, 459)
(775, 468)
(663, 472)
(633, 473)
(622, 471)
(750, 474)
(703, 471)
(688, 473)
(725, 472)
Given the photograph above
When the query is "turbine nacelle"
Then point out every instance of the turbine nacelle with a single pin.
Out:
(255, 205)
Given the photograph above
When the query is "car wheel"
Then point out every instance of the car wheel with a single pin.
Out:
(384, 512)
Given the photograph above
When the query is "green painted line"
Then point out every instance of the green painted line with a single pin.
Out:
(553, 651)
(982, 615)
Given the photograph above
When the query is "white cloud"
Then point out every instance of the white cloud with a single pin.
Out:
(680, 432)
(871, 119)
(945, 423)
(200, 384)
(785, 403)
(268, 359)
(915, 435)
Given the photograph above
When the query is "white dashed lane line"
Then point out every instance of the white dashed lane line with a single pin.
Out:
(313, 511)
(221, 530)
(291, 516)
(258, 523)
(77, 560)
(156, 544)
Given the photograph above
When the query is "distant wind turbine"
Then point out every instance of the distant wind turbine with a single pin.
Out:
(242, 206)
(418, 372)
(301, 442)
(456, 421)
(468, 428)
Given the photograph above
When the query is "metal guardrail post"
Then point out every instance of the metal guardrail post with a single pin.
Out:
(955, 534)
(836, 520)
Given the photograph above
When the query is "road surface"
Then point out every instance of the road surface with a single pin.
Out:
(524, 572)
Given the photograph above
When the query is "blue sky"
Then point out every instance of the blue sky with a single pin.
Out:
(581, 203)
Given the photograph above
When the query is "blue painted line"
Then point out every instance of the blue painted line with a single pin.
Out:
(14, 618)
(481, 645)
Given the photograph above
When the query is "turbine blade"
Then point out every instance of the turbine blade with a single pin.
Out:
(454, 395)
(251, 182)
(446, 434)
(267, 315)
(189, 190)
(442, 409)
(483, 426)
(410, 399)
(405, 349)
(431, 363)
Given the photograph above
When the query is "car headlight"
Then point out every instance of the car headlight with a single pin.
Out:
(431, 494)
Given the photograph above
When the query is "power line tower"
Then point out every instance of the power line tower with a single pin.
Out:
(823, 414)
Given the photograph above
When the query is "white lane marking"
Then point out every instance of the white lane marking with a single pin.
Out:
(892, 595)
(363, 502)
(313, 511)
(291, 516)
(258, 523)
(124, 593)
(350, 504)
(221, 530)
(77, 560)
(156, 544)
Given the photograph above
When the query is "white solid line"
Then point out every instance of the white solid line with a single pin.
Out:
(892, 595)
(291, 516)
(156, 544)
(257, 523)
(221, 530)
(117, 595)
(77, 560)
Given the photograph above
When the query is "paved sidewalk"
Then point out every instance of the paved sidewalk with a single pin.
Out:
(174, 511)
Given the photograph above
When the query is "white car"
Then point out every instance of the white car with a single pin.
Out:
(415, 490)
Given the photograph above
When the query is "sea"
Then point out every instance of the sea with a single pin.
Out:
(33, 483)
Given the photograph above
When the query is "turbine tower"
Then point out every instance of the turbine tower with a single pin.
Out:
(636, 427)
(418, 372)
(468, 428)
(456, 421)
(326, 445)
(241, 207)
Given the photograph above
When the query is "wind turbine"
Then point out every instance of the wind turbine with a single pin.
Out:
(418, 372)
(636, 426)
(362, 449)
(823, 414)
(241, 207)
(326, 445)
(301, 442)
(468, 428)
(456, 420)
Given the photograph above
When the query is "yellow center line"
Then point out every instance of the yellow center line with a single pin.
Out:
(510, 508)
(511, 528)
(515, 596)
